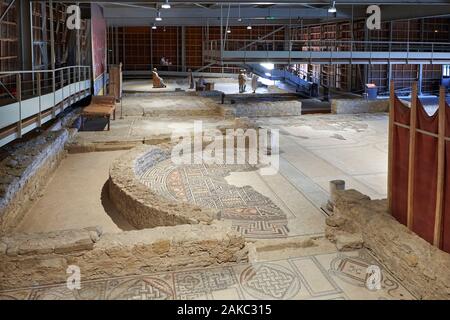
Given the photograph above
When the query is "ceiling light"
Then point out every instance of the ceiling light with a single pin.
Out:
(229, 31)
(158, 16)
(166, 5)
(154, 26)
(249, 27)
(332, 8)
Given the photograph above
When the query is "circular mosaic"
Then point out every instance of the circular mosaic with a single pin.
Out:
(204, 185)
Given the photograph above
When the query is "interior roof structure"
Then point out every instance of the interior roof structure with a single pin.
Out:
(207, 12)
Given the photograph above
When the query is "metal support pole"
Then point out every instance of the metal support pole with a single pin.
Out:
(221, 36)
(79, 58)
(183, 48)
(7, 9)
(62, 89)
(52, 38)
(19, 99)
(54, 93)
(25, 35)
(39, 92)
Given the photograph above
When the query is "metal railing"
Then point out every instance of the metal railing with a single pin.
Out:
(328, 45)
(32, 97)
(34, 83)
(130, 67)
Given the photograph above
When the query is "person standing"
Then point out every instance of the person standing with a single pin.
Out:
(191, 80)
(254, 83)
(242, 80)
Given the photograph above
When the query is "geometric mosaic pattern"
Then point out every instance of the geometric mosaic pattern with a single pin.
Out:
(326, 276)
(353, 270)
(148, 288)
(270, 281)
(253, 214)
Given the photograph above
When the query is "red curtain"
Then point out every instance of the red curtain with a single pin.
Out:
(400, 162)
(425, 174)
(445, 243)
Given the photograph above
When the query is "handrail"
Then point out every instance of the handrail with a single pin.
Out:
(348, 45)
(333, 41)
(37, 96)
(43, 71)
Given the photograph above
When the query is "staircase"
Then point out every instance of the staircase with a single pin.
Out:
(297, 81)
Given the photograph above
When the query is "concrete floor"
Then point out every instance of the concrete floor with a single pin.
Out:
(76, 197)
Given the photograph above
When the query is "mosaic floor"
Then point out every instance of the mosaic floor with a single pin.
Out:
(325, 276)
(316, 149)
(252, 213)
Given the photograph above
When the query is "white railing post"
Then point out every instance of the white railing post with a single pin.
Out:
(39, 92)
(19, 99)
(75, 82)
(62, 89)
(54, 93)
(79, 80)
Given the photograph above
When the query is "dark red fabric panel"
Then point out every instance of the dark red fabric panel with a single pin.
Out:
(425, 175)
(402, 112)
(400, 162)
(445, 243)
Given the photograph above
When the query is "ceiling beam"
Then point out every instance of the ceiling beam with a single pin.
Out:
(281, 2)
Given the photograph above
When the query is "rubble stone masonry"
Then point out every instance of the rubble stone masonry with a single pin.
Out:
(43, 258)
(358, 221)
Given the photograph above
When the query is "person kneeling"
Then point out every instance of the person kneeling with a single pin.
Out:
(158, 82)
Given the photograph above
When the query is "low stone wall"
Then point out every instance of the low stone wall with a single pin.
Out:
(138, 204)
(264, 109)
(421, 267)
(347, 106)
(25, 171)
(43, 258)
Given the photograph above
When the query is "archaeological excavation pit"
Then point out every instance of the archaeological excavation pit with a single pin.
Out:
(172, 150)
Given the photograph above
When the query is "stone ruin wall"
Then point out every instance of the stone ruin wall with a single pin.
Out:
(349, 106)
(24, 172)
(190, 237)
(43, 258)
(138, 204)
(358, 221)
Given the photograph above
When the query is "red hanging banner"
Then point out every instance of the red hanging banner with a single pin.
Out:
(425, 174)
(400, 161)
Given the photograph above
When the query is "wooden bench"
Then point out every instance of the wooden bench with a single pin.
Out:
(100, 107)
(109, 100)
